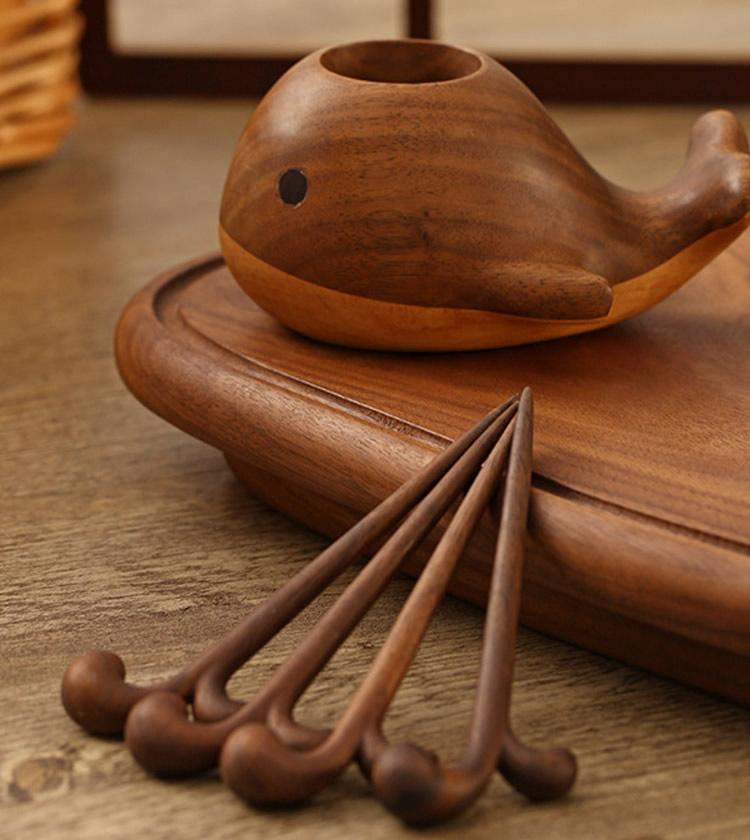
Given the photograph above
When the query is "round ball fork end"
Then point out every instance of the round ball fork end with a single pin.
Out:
(413, 784)
(539, 774)
(95, 694)
(260, 768)
(165, 741)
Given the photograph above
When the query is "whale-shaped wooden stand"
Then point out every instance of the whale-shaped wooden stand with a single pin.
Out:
(411, 195)
(414, 196)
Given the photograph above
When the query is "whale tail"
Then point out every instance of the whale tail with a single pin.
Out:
(712, 189)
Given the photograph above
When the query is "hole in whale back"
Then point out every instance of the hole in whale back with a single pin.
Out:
(400, 62)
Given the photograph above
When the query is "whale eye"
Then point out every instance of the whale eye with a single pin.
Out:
(293, 187)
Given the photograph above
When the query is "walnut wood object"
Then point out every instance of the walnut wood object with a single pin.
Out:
(269, 758)
(410, 195)
(105, 713)
(639, 537)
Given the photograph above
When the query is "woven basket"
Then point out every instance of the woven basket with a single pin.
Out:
(38, 76)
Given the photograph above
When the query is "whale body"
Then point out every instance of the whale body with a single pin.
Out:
(414, 195)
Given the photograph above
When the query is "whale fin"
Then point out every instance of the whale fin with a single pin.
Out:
(554, 292)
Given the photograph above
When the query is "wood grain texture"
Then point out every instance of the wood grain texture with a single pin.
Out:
(430, 177)
(120, 531)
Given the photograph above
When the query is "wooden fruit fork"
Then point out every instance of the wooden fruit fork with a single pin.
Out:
(264, 754)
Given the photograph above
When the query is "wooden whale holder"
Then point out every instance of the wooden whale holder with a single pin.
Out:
(411, 195)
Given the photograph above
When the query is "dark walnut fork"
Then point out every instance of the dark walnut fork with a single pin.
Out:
(94, 690)
(264, 754)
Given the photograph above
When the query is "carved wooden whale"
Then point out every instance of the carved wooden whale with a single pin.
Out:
(413, 195)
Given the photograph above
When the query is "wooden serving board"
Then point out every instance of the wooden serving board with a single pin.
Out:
(640, 513)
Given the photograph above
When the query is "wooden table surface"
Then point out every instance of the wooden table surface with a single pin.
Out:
(119, 531)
